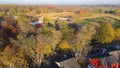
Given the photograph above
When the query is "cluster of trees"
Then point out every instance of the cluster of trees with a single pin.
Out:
(107, 34)
(115, 11)
(27, 48)
(23, 47)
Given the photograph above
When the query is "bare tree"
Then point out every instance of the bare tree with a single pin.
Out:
(82, 40)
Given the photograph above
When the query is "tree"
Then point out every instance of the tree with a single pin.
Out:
(46, 20)
(37, 11)
(23, 22)
(116, 11)
(1, 13)
(8, 30)
(13, 57)
(105, 33)
(43, 43)
(64, 47)
(57, 36)
(47, 50)
(26, 9)
(67, 32)
(46, 31)
(117, 34)
(82, 40)
(12, 12)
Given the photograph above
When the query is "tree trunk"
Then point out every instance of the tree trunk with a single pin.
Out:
(76, 56)
(39, 65)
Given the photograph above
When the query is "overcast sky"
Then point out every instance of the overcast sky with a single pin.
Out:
(62, 2)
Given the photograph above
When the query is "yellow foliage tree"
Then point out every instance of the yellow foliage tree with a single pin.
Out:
(47, 50)
(1, 13)
(63, 47)
(117, 34)
(106, 34)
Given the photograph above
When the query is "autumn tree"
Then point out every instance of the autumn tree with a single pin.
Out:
(67, 32)
(84, 12)
(105, 33)
(13, 57)
(37, 11)
(64, 47)
(46, 20)
(23, 22)
(82, 40)
(116, 11)
(12, 12)
(26, 9)
(1, 13)
(117, 34)
(47, 50)
(39, 45)
(8, 30)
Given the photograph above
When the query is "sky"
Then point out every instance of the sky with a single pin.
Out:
(63, 2)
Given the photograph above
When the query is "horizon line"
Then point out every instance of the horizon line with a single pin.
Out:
(61, 4)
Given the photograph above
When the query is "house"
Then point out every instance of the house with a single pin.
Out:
(109, 62)
(65, 63)
(68, 19)
(116, 54)
(38, 24)
(68, 63)
(105, 62)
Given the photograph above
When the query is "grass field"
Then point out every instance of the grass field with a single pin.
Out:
(96, 17)
(101, 20)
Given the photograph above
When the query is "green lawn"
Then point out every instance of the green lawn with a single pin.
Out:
(102, 20)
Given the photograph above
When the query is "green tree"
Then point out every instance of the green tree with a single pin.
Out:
(105, 33)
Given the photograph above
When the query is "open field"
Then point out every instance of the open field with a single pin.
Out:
(101, 15)
(77, 16)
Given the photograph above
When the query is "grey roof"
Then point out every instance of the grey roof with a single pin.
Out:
(116, 54)
(69, 63)
(108, 61)
(50, 64)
